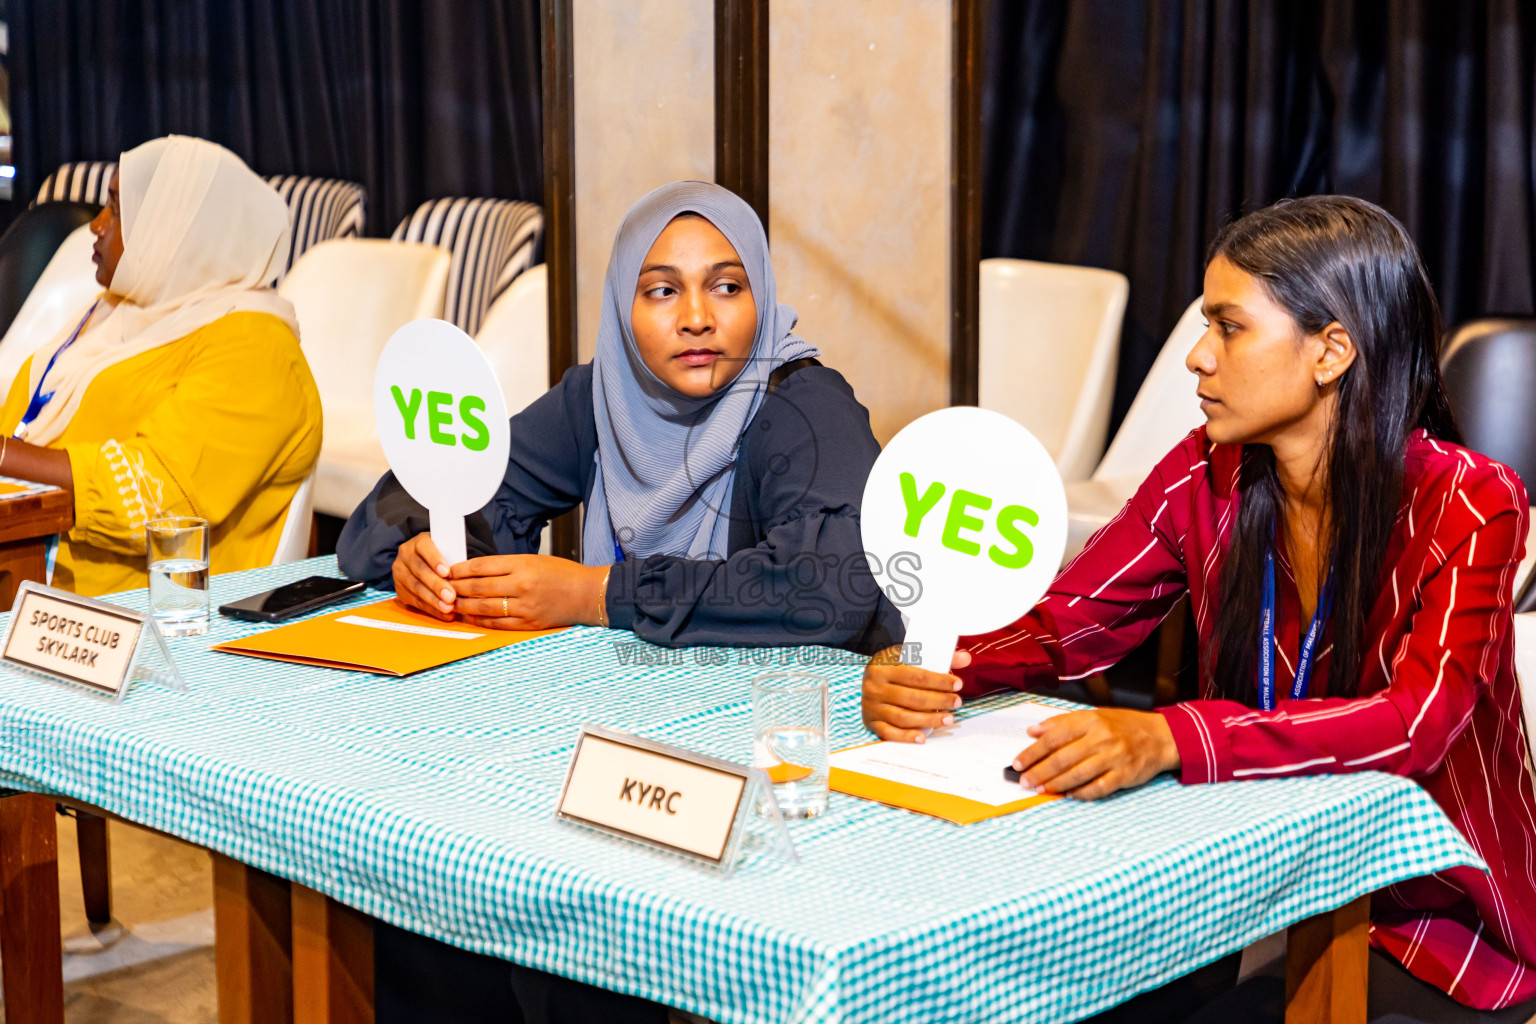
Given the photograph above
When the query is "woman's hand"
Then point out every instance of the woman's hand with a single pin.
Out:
(1090, 754)
(421, 578)
(901, 701)
(529, 592)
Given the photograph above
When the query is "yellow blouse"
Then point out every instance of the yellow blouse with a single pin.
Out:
(223, 424)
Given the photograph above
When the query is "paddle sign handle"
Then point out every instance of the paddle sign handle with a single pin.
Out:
(930, 646)
(448, 535)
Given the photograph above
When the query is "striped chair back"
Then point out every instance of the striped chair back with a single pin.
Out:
(84, 181)
(320, 209)
(490, 242)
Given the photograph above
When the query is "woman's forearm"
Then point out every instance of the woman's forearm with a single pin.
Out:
(34, 462)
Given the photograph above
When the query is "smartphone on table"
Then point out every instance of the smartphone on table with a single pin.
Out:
(294, 599)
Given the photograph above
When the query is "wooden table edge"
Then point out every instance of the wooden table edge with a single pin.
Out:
(31, 516)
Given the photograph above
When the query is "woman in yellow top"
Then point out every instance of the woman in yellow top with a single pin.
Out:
(181, 390)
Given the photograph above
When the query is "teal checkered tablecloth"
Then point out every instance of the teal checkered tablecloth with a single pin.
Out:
(428, 802)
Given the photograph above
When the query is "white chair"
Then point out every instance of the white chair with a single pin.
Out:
(515, 339)
(61, 292)
(1166, 408)
(1525, 646)
(1049, 337)
(1525, 674)
(293, 542)
(1528, 562)
(351, 294)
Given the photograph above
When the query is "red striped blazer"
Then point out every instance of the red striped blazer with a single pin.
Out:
(1438, 701)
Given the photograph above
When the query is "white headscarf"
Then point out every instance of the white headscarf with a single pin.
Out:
(203, 237)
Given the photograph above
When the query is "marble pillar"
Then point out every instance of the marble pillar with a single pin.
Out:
(859, 164)
(645, 115)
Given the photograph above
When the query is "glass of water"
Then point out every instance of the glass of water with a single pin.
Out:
(789, 732)
(178, 574)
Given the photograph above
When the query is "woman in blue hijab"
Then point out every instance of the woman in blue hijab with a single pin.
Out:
(719, 464)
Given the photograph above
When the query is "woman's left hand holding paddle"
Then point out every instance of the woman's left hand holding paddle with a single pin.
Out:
(529, 592)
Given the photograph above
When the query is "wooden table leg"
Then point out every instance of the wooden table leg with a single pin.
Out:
(95, 866)
(332, 961)
(252, 944)
(1325, 966)
(21, 560)
(31, 951)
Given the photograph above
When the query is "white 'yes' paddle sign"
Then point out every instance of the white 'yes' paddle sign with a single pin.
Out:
(965, 520)
(442, 421)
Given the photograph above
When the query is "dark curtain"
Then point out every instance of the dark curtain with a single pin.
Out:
(415, 100)
(1125, 135)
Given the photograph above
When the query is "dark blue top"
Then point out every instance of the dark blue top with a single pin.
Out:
(794, 573)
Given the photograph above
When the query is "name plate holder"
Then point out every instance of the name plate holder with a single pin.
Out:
(680, 802)
(85, 643)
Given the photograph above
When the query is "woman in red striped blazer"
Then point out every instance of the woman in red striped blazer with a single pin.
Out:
(1328, 466)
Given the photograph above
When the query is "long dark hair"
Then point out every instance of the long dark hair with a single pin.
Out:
(1326, 259)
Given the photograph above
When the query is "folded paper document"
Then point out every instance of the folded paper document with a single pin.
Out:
(956, 775)
(386, 638)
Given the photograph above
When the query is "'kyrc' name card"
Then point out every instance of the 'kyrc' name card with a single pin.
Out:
(658, 795)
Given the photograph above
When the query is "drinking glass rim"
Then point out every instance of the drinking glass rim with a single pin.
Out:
(815, 682)
(161, 525)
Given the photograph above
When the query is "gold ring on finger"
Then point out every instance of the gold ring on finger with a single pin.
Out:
(504, 611)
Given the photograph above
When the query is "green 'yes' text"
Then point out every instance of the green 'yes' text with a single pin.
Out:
(959, 520)
(440, 414)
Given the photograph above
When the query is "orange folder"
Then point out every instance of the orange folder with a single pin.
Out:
(10, 487)
(331, 642)
(947, 806)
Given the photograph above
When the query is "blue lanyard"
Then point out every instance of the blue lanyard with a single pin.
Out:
(618, 552)
(39, 400)
(1267, 638)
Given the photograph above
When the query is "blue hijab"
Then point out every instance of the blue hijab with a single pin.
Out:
(665, 460)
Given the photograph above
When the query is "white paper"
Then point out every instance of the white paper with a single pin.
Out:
(965, 759)
(406, 627)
